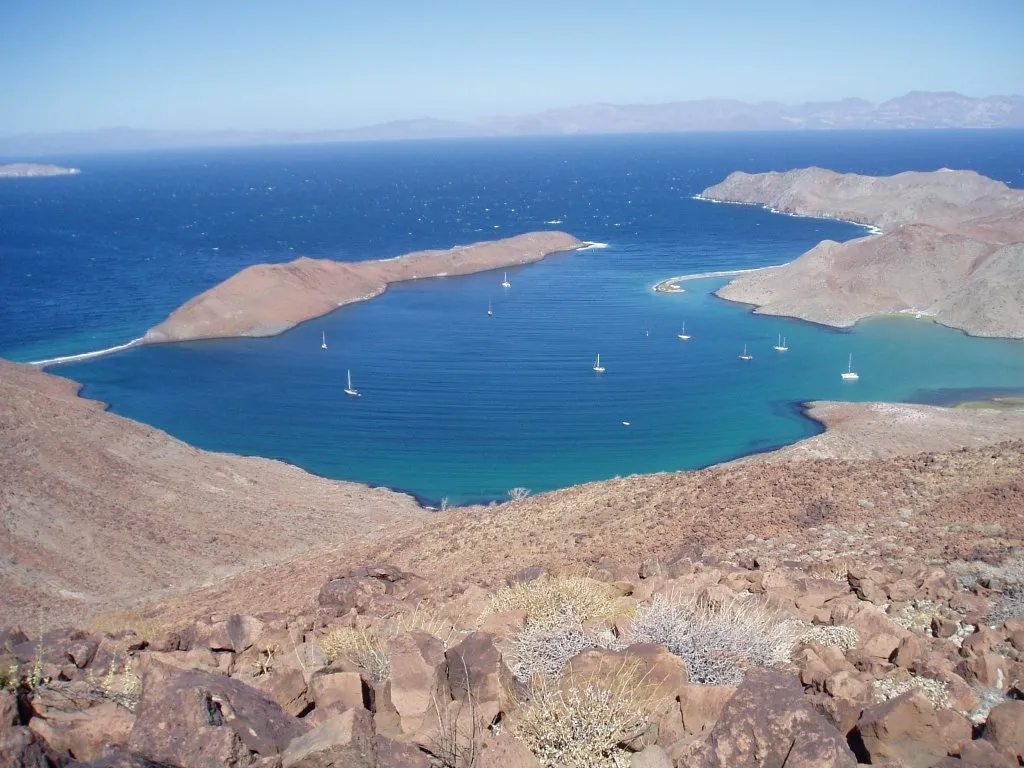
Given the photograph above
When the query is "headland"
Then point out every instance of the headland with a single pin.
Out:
(950, 245)
(268, 299)
(32, 170)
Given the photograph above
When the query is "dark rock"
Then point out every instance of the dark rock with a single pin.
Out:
(769, 722)
(1005, 727)
(21, 747)
(197, 719)
(905, 729)
(343, 740)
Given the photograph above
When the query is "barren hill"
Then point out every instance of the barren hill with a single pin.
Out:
(98, 511)
(268, 299)
(951, 248)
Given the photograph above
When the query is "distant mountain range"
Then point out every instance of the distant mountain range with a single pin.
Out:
(917, 109)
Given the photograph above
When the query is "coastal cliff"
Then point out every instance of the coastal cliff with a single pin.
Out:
(951, 246)
(268, 299)
(31, 170)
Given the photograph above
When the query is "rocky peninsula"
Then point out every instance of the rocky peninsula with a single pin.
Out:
(30, 170)
(950, 246)
(268, 299)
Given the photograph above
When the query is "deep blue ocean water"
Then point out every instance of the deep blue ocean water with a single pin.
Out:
(456, 404)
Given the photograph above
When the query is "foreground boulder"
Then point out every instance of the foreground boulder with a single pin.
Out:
(904, 729)
(196, 719)
(769, 723)
(343, 740)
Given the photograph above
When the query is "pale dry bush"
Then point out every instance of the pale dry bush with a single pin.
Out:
(367, 647)
(544, 646)
(547, 597)
(839, 635)
(113, 623)
(120, 683)
(518, 494)
(583, 723)
(718, 644)
(1007, 578)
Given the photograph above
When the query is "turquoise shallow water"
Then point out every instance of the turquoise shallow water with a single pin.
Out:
(456, 404)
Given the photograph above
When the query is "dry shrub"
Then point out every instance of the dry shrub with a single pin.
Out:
(1007, 579)
(547, 597)
(544, 646)
(718, 644)
(367, 647)
(583, 723)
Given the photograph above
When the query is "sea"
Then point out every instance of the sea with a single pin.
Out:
(458, 406)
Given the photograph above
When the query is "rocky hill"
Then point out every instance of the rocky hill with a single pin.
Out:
(802, 610)
(98, 511)
(268, 299)
(951, 248)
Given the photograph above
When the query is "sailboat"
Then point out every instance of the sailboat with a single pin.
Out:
(489, 312)
(349, 390)
(505, 283)
(323, 340)
(781, 346)
(745, 356)
(598, 368)
(850, 375)
(683, 334)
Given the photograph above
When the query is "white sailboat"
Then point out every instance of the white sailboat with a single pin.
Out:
(505, 283)
(598, 368)
(683, 334)
(489, 312)
(781, 346)
(850, 375)
(349, 390)
(745, 356)
(323, 340)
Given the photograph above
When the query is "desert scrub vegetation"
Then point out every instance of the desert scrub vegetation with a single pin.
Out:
(367, 646)
(718, 644)
(547, 597)
(113, 623)
(583, 723)
(518, 494)
(545, 646)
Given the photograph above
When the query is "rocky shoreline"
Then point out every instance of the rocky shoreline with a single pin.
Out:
(268, 299)
(950, 246)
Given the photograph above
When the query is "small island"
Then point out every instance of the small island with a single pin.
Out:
(268, 299)
(949, 246)
(34, 170)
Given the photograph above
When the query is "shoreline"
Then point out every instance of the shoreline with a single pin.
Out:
(669, 285)
(871, 228)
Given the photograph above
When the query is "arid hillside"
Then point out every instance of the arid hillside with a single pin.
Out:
(950, 249)
(98, 511)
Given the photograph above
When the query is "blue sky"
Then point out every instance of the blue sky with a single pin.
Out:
(313, 64)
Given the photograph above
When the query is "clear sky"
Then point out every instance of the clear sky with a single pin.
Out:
(312, 64)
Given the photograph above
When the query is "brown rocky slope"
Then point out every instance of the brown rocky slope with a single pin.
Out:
(99, 511)
(951, 248)
(849, 611)
(268, 299)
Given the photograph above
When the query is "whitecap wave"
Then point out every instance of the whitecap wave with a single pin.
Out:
(554, 221)
(590, 246)
(86, 355)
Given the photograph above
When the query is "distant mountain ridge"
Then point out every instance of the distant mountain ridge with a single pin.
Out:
(917, 109)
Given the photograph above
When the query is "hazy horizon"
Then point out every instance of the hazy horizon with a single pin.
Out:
(319, 65)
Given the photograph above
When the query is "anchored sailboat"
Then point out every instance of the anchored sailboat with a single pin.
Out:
(489, 312)
(598, 368)
(745, 356)
(781, 346)
(349, 390)
(505, 283)
(850, 375)
(323, 340)
(683, 334)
